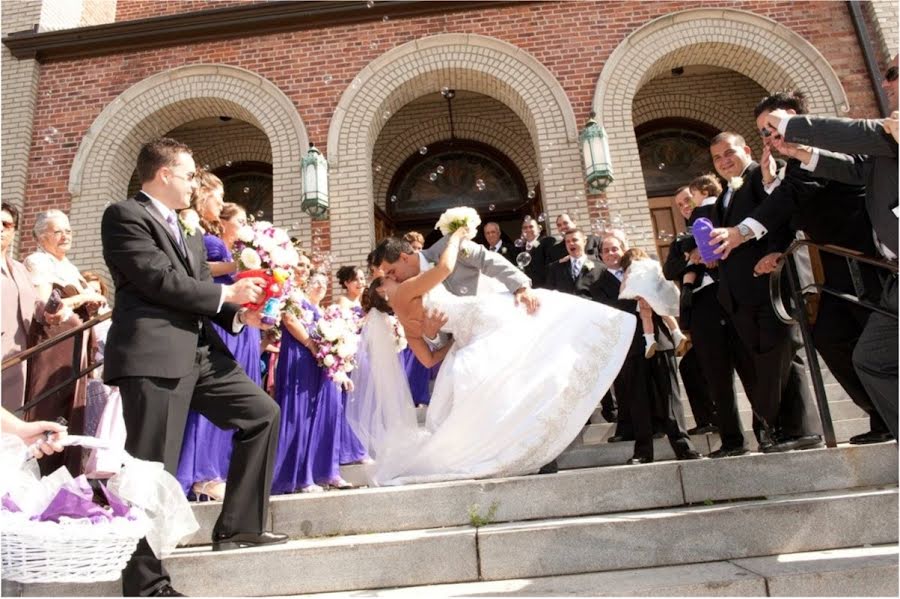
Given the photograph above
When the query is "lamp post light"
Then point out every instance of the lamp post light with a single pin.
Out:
(595, 151)
(315, 184)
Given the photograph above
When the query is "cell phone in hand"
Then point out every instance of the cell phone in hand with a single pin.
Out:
(54, 304)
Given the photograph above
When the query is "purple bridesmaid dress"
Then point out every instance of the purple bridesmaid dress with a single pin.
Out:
(418, 376)
(206, 449)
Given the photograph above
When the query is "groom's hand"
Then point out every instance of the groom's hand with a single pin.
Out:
(526, 296)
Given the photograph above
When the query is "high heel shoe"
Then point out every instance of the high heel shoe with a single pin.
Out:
(211, 490)
(312, 489)
(339, 483)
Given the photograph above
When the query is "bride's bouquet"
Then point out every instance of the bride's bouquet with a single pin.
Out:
(454, 218)
(337, 334)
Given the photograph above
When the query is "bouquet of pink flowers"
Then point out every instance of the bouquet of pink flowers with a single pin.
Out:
(337, 334)
(263, 245)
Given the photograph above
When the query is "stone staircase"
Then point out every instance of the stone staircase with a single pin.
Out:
(814, 522)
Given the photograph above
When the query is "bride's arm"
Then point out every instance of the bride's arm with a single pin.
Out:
(424, 282)
(425, 354)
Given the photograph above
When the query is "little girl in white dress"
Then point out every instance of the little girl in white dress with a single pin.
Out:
(644, 280)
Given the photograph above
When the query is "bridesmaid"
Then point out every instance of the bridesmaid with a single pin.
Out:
(418, 375)
(309, 439)
(206, 449)
(353, 281)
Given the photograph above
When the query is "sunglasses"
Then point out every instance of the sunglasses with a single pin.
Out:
(891, 74)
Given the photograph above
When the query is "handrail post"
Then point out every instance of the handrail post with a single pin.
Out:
(812, 358)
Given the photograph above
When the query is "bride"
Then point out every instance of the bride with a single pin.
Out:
(513, 391)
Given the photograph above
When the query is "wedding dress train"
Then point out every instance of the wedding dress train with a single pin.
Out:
(512, 393)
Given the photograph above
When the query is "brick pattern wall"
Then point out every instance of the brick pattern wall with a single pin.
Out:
(129, 10)
(881, 18)
(98, 12)
(571, 41)
(718, 99)
(20, 84)
(425, 121)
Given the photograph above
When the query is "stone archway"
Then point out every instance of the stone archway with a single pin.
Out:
(759, 48)
(105, 160)
(465, 62)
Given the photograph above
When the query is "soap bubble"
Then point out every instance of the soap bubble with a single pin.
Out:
(433, 177)
(440, 169)
(531, 194)
(423, 150)
(370, 3)
(519, 243)
(479, 183)
(523, 259)
(246, 190)
(492, 207)
(393, 199)
(328, 78)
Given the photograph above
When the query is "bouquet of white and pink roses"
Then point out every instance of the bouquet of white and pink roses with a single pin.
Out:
(263, 245)
(337, 334)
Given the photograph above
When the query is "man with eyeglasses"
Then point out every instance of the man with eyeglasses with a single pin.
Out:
(860, 151)
(166, 357)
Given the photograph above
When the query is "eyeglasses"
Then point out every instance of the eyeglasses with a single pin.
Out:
(891, 74)
(186, 177)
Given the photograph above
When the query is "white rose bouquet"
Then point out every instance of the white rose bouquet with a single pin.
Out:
(263, 245)
(454, 218)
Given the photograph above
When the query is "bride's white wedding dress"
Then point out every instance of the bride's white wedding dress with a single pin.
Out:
(512, 393)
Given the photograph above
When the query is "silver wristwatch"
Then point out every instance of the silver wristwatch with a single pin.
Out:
(746, 232)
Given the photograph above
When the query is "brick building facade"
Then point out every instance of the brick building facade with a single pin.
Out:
(365, 87)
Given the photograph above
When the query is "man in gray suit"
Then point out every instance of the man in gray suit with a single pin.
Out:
(399, 262)
(870, 158)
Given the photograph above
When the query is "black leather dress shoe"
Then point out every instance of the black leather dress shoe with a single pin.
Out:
(619, 439)
(702, 430)
(729, 452)
(239, 540)
(792, 443)
(633, 461)
(689, 455)
(870, 437)
(166, 590)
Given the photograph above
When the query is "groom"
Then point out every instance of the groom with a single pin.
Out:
(397, 259)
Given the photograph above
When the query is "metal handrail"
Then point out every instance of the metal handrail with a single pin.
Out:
(76, 372)
(796, 314)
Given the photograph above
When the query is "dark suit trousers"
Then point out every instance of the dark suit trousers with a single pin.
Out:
(697, 389)
(875, 357)
(155, 412)
(837, 330)
(720, 354)
(661, 393)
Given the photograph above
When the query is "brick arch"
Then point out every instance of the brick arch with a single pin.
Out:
(106, 157)
(759, 48)
(514, 144)
(465, 62)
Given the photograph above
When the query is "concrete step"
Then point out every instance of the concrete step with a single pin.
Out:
(663, 484)
(547, 547)
(788, 524)
(853, 572)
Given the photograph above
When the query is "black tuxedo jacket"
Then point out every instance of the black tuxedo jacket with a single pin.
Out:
(507, 250)
(559, 276)
(605, 289)
(163, 298)
(737, 283)
(540, 258)
(559, 251)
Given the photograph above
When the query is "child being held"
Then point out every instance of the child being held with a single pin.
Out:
(644, 280)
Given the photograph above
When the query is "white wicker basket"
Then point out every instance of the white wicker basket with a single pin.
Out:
(71, 551)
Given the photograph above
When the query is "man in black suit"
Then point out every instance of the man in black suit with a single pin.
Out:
(538, 249)
(744, 296)
(579, 272)
(494, 241)
(870, 158)
(644, 387)
(166, 358)
(565, 223)
(830, 213)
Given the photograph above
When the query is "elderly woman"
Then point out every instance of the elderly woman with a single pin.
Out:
(50, 269)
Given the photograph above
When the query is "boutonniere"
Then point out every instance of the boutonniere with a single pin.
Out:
(503, 249)
(588, 266)
(736, 183)
(189, 221)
